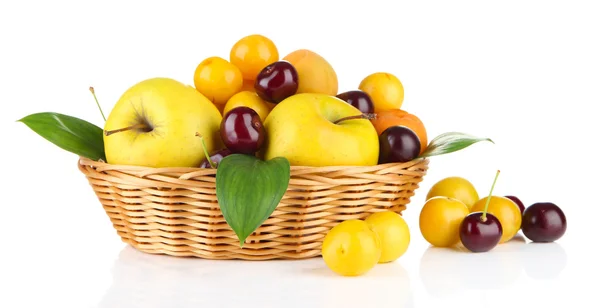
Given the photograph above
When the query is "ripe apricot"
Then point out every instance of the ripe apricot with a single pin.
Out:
(248, 85)
(315, 74)
(394, 117)
(506, 210)
(217, 79)
(248, 99)
(440, 219)
(393, 232)
(457, 188)
(351, 248)
(385, 89)
(252, 53)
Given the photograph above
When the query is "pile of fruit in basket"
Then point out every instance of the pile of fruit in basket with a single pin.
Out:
(257, 103)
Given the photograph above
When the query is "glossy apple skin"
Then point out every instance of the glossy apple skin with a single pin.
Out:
(398, 144)
(478, 235)
(544, 222)
(216, 158)
(145, 102)
(359, 99)
(276, 82)
(301, 128)
(242, 130)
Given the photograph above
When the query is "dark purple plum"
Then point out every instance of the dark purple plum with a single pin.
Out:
(276, 82)
(216, 158)
(398, 144)
(543, 222)
(242, 130)
(359, 99)
(478, 234)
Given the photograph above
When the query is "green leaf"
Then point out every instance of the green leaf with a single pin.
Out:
(249, 189)
(69, 133)
(451, 142)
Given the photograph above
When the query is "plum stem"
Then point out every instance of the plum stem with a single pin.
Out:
(487, 202)
(97, 103)
(367, 116)
(212, 164)
(136, 126)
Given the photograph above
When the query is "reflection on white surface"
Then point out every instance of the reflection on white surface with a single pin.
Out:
(144, 280)
(543, 261)
(445, 271)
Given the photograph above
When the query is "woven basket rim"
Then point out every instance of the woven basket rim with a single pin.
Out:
(84, 161)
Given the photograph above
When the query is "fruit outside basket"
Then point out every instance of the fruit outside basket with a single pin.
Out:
(174, 211)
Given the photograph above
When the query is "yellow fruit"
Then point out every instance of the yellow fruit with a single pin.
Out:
(300, 128)
(315, 74)
(440, 220)
(393, 233)
(252, 53)
(507, 212)
(217, 79)
(248, 99)
(168, 114)
(457, 188)
(385, 89)
(351, 248)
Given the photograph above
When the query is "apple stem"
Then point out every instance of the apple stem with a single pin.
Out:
(136, 126)
(367, 116)
(212, 164)
(487, 202)
(97, 103)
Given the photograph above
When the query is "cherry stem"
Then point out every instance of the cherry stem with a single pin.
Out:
(367, 116)
(212, 164)
(487, 202)
(136, 126)
(97, 103)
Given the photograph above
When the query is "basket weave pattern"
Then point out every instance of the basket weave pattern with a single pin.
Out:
(174, 211)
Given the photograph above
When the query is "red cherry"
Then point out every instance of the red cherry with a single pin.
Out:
(544, 222)
(481, 231)
(479, 234)
(518, 202)
(359, 99)
(276, 82)
(398, 144)
(242, 130)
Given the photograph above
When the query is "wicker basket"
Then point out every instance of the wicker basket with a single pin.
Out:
(174, 211)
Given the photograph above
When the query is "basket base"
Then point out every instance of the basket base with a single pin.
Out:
(201, 254)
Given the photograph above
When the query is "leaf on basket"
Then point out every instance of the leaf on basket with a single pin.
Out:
(69, 133)
(249, 189)
(451, 142)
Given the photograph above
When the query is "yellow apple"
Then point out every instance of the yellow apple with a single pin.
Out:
(301, 128)
(154, 124)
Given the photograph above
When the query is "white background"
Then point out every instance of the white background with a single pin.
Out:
(524, 73)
